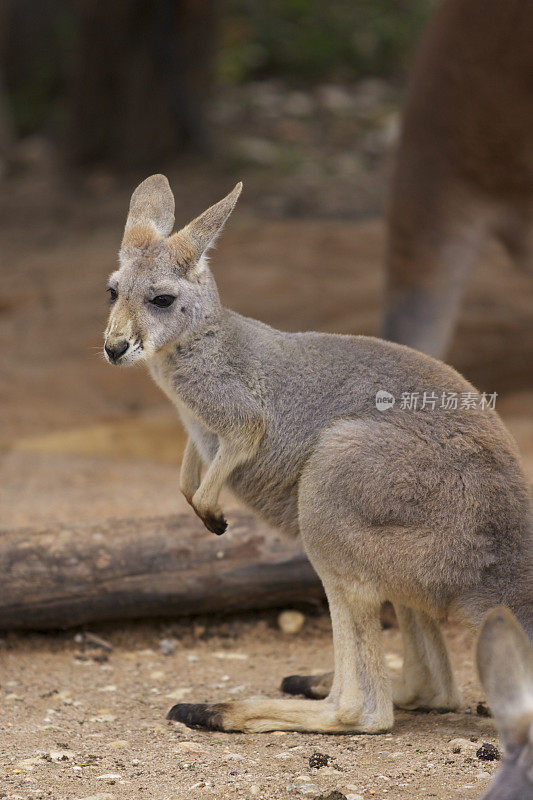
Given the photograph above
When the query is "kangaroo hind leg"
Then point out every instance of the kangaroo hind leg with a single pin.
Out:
(427, 680)
(359, 700)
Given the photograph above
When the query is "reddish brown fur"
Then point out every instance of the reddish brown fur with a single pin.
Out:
(465, 163)
(140, 237)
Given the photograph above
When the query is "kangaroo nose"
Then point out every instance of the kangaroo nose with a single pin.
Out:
(117, 350)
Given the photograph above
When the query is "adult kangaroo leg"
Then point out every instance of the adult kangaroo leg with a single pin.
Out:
(427, 680)
(360, 698)
(436, 225)
(427, 267)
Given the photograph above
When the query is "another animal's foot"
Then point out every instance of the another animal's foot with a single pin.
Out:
(425, 698)
(315, 687)
(259, 715)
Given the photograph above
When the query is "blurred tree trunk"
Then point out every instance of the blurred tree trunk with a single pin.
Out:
(6, 124)
(141, 79)
(6, 130)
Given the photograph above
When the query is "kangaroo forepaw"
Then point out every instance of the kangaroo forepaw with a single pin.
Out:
(215, 524)
(214, 521)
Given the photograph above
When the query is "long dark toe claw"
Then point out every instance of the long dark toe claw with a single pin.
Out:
(197, 715)
(298, 684)
(214, 524)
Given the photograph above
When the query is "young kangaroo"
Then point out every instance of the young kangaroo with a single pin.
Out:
(505, 664)
(464, 166)
(427, 508)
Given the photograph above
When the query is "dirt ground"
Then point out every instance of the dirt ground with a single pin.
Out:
(80, 440)
(75, 728)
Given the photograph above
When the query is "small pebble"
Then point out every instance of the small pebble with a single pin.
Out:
(168, 646)
(118, 744)
(92, 640)
(230, 656)
(335, 795)
(28, 763)
(459, 745)
(318, 760)
(394, 661)
(306, 788)
(190, 747)
(58, 755)
(291, 621)
(488, 752)
(178, 694)
(103, 718)
(99, 796)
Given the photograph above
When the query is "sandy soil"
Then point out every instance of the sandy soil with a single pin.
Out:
(75, 728)
(80, 440)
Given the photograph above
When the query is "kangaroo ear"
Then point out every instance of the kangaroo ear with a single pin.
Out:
(152, 205)
(201, 233)
(505, 665)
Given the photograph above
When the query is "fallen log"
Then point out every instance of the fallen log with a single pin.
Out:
(67, 575)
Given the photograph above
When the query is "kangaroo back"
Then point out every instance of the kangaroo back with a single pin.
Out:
(505, 664)
(464, 167)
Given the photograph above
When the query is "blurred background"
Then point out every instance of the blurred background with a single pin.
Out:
(302, 101)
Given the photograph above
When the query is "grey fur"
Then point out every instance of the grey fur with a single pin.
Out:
(505, 664)
(426, 508)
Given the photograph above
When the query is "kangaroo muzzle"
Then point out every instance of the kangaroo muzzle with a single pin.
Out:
(115, 350)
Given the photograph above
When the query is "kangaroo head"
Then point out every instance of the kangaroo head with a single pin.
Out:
(505, 664)
(163, 292)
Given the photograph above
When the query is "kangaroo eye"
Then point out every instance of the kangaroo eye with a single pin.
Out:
(113, 294)
(163, 300)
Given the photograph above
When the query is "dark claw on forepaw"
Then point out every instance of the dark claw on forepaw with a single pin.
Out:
(214, 524)
(197, 715)
(298, 684)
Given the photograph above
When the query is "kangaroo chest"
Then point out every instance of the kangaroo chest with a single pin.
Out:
(205, 440)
